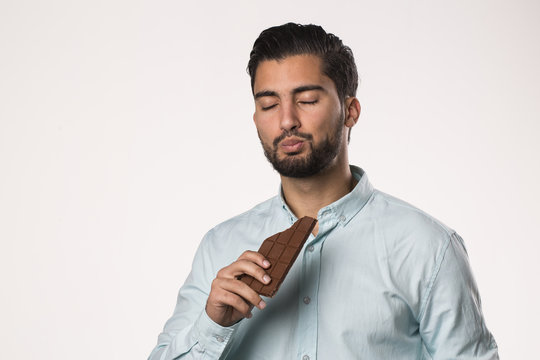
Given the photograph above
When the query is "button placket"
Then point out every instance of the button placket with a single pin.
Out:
(307, 302)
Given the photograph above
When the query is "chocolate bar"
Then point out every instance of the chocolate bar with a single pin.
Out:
(281, 250)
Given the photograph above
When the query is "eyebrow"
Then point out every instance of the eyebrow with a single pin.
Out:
(264, 93)
(307, 88)
(294, 92)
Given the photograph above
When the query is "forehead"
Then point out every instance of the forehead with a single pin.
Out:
(289, 73)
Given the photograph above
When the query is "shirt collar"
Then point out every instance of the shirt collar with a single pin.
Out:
(344, 209)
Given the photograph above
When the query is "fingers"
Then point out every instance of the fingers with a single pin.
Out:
(250, 263)
(256, 258)
(236, 294)
(231, 299)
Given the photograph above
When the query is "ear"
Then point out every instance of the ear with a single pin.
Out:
(352, 111)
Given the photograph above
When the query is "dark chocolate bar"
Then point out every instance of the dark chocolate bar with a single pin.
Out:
(281, 250)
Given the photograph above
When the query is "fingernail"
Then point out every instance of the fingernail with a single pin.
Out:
(262, 305)
(266, 279)
(266, 263)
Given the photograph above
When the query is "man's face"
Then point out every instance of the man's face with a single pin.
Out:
(298, 115)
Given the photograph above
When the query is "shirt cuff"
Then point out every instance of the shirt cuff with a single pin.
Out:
(212, 336)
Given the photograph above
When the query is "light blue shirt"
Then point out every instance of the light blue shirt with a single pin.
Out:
(381, 280)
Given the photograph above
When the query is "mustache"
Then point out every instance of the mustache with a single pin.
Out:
(296, 133)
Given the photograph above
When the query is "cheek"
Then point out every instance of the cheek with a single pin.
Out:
(266, 126)
(325, 124)
(265, 135)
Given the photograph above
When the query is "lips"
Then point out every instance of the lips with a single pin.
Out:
(292, 145)
(291, 142)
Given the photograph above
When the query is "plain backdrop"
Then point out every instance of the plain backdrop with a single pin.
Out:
(126, 133)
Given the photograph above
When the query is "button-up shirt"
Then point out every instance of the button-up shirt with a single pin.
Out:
(381, 280)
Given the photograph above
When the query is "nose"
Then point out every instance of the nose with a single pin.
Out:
(289, 117)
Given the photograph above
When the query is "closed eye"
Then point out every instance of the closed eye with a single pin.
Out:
(264, 108)
(309, 102)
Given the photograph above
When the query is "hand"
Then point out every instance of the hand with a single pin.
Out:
(231, 299)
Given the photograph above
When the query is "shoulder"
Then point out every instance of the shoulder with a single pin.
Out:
(403, 226)
(414, 245)
(245, 231)
(257, 216)
(399, 214)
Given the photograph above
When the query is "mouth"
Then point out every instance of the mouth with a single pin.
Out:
(293, 145)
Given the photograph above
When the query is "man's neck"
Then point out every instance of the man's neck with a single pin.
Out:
(306, 196)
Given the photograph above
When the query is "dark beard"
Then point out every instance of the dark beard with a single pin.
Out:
(317, 160)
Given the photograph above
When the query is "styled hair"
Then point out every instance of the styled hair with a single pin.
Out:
(279, 42)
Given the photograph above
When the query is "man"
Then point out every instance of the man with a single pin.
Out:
(377, 278)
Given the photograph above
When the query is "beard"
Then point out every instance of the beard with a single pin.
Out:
(319, 157)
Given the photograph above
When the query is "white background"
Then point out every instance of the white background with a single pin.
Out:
(126, 134)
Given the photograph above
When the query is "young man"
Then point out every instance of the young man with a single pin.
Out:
(377, 278)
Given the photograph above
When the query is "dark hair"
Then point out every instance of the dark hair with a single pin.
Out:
(290, 39)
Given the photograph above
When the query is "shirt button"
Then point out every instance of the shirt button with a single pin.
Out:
(220, 338)
(311, 248)
(342, 218)
(307, 300)
(305, 357)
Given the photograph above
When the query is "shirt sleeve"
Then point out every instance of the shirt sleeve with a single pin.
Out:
(190, 333)
(451, 321)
